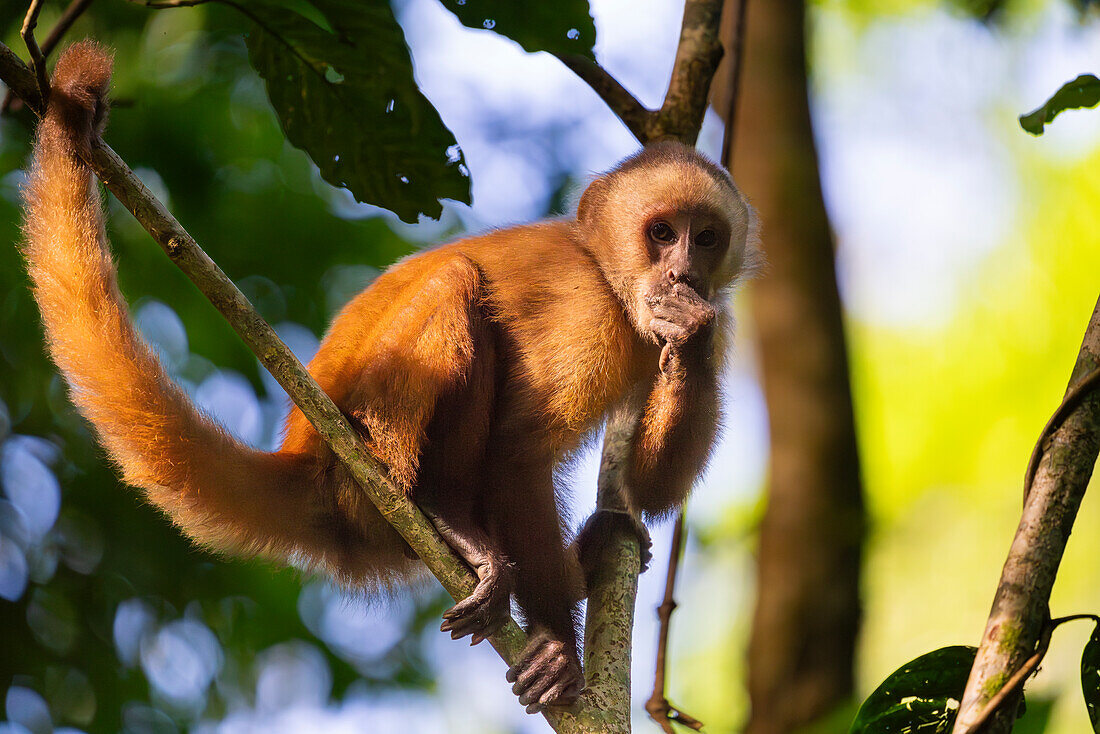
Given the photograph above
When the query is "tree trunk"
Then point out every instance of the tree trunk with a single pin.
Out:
(807, 614)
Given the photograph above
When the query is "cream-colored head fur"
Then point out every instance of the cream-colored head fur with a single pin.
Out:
(617, 208)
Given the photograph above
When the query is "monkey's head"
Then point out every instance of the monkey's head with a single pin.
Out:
(663, 216)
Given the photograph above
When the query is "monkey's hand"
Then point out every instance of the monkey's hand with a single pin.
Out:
(599, 530)
(684, 320)
(484, 611)
(548, 674)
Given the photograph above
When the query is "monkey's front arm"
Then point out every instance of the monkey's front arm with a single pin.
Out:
(677, 421)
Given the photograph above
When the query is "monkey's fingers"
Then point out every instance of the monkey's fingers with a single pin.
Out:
(691, 314)
(562, 693)
(669, 331)
(550, 674)
(481, 614)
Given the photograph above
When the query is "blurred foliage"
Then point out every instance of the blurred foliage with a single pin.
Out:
(192, 118)
(1081, 93)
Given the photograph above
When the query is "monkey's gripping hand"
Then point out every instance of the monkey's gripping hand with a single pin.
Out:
(597, 534)
(684, 320)
(549, 673)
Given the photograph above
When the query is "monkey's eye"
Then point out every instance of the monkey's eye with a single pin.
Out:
(706, 238)
(661, 232)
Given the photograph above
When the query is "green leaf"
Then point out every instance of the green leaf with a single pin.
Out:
(564, 27)
(920, 697)
(1090, 678)
(341, 82)
(1082, 92)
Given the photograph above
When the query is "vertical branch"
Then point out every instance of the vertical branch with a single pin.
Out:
(697, 57)
(1020, 606)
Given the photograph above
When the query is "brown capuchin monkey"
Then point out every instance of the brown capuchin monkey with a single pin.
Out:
(473, 372)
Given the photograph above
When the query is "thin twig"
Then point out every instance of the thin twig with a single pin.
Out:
(38, 61)
(658, 707)
(60, 28)
(737, 52)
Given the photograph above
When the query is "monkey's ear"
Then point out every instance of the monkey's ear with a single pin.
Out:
(592, 201)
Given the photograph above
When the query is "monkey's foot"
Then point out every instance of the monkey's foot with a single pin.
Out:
(549, 674)
(483, 612)
(599, 530)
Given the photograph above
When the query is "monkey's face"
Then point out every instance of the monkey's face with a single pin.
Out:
(687, 242)
(685, 246)
(669, 230)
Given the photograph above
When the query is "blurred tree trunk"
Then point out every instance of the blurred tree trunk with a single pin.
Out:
(807, 614)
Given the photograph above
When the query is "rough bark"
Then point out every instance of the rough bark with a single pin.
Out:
(1020, 605)
(807, 615)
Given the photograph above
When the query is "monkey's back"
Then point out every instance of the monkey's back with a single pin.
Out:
(564, 352)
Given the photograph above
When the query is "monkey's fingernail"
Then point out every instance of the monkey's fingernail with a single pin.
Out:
(510, 676)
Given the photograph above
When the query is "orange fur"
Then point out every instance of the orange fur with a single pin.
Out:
(473, 371)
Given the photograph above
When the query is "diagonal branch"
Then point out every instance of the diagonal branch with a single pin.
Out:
(681, 113)
(1020, 607)
(624, 104)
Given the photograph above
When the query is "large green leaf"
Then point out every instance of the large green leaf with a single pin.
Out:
(1090, 678)
(563, 27)
(346, 95)
(920, 697)
(1082, 92)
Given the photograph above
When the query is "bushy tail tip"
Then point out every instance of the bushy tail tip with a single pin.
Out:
(78, 90)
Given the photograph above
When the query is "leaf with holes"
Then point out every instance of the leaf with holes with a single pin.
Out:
(562, 28)
(921, 696)
(1090, 678)
(1082, 92)
(341, 82)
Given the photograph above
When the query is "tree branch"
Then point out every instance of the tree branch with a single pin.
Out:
(38, 61)
(624, 104)
(697, 58)
(681, 114)
(64, 23)
(1020, 607)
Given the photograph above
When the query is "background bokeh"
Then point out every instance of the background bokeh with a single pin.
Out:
(968, 258)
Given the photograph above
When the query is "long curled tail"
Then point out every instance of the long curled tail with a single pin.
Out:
(221, 492)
